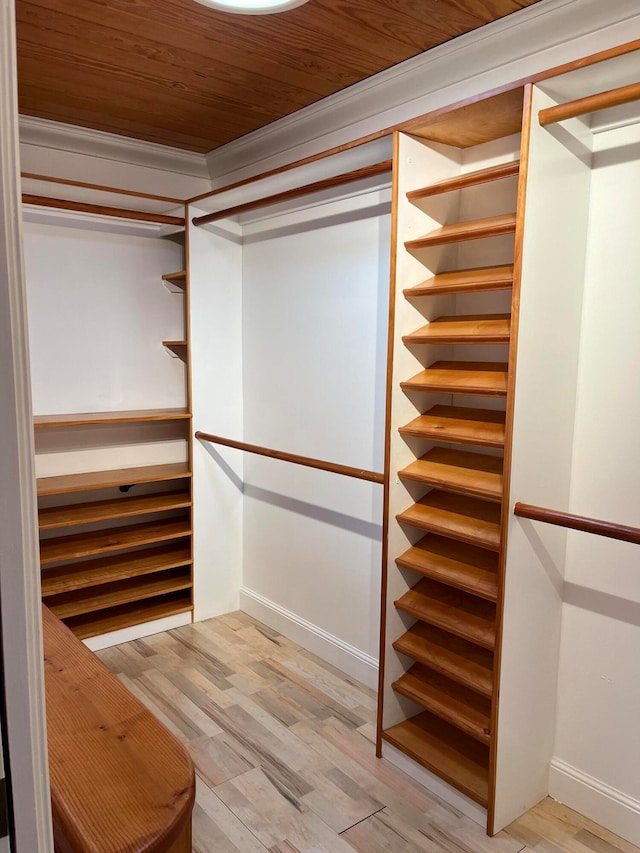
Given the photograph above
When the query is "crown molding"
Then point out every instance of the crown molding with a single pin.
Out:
(109, 146)
(521, 45)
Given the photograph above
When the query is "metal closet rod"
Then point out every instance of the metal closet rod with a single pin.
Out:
(287, 195)
(578, 522)
(308, 461)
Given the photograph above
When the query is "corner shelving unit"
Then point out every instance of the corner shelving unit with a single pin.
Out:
(118, 555)
(456, 212)
(115, 544)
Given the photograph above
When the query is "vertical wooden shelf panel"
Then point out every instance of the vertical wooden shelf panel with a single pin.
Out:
(449, 581)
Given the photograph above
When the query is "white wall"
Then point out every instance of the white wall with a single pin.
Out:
(315, 301)
(215, 281)
(597, 752)
(98, 313)
(556, 216)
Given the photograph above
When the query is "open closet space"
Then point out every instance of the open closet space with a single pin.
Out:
(111, 409)
(334, 428)
(289, 305)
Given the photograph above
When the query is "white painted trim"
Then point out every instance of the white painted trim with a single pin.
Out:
(137, 632)
(527, 42)
(434, 784)
(332, 649)
(593, 798)
(19, 561)
(110, 146)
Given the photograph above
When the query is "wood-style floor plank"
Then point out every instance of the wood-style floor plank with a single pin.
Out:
(283, 747)
(215, 827)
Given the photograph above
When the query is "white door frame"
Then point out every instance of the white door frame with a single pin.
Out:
(26, 758)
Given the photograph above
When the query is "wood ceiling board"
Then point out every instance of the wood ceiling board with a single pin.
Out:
(177, 73)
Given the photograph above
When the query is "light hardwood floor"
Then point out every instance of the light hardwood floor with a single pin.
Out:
(283, 748)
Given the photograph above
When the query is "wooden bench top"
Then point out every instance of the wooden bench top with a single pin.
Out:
(120, 781)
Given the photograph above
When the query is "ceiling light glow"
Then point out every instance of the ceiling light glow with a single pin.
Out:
(252, 7)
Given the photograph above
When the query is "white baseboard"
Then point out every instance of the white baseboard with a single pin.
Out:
(335, 651)
(435, 785)
(598, 801)
(137, 632)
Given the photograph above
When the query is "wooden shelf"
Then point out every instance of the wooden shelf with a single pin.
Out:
(466, 567)
(463, 329)
(65, 548)
(444, 750)
(176, 280)
(463, 662)
(464, 281)
(470, 520)
(467, 179)
(475, 378)
(464, 615)
(458, 471)
(124, 417)
(476, 229)
(92, 573)
(459, 425)
(135, 613)
(67, 483)
(178, 349)
(453, 703)
(79, 602)
(473, 123)
(68, 516)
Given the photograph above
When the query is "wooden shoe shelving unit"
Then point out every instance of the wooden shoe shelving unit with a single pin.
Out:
(458, 222)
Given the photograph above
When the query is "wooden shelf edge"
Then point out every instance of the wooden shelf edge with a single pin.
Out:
(114, 417)
(477, 229)
(128, 617)
(137, 594)
(479, 793)
(464, 281)
(94, 573)
(110, 540)
(78, 515)
(488, 593)
(110, 478)
(467, 179)
(177, 349)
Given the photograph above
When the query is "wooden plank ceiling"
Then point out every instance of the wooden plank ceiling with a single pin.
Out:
(179, 74)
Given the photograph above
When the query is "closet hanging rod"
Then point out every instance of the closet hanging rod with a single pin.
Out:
(308, 461)
(67, 182)
(103, 210)
(578, 522)
(590, 104)
(287, 195)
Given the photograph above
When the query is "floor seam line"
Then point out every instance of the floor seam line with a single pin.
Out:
(377, 811)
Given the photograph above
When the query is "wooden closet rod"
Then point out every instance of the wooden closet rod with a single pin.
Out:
(578, 522)
(308, 461)
(590, 104)
(287, 195)
(118, 212)
(67, 182)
